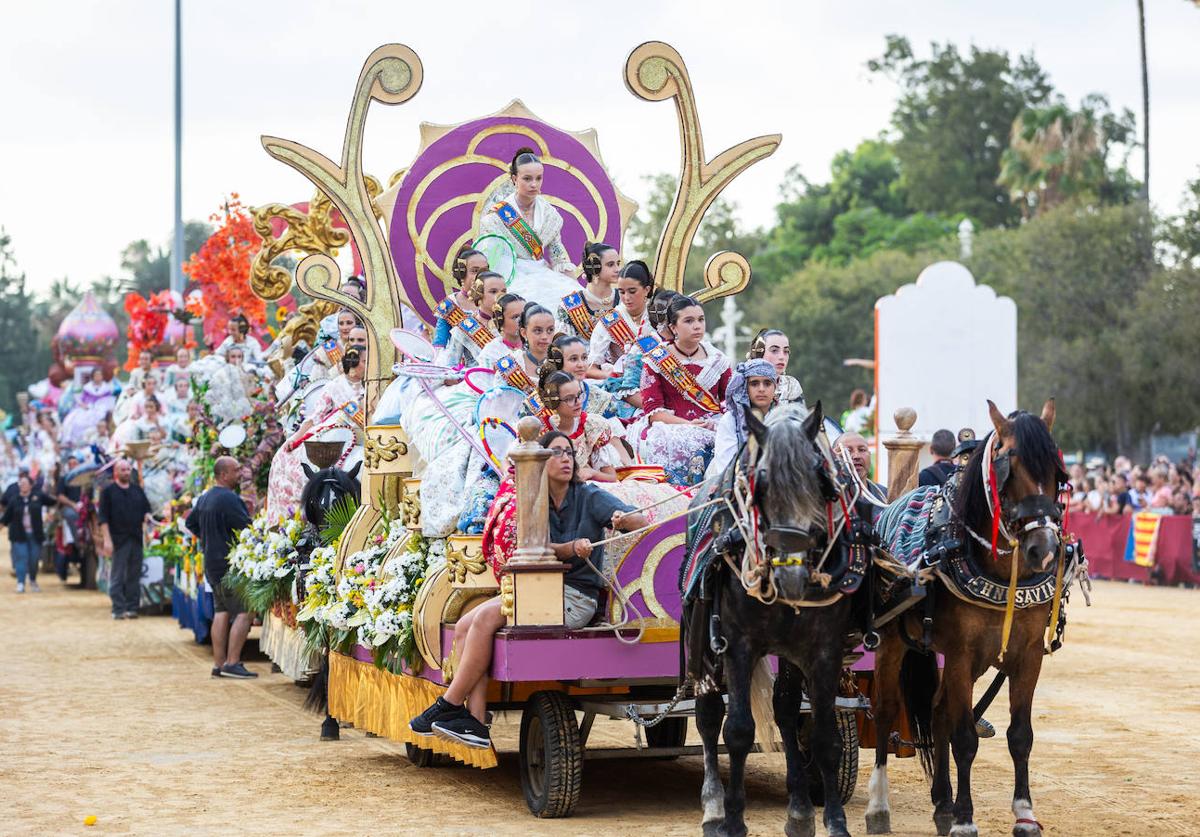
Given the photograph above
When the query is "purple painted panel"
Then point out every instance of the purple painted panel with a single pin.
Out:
(590, 657)
(466, 162)
(666, 577)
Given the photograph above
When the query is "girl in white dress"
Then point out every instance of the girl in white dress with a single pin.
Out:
(580, 310)
(772, 345)
(522, 215)
(472, 334)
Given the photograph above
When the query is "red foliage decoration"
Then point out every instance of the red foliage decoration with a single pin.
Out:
(221, 271)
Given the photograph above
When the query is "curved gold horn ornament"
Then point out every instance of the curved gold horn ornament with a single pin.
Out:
(655, 72)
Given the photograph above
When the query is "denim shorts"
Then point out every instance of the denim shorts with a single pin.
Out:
(578, 607)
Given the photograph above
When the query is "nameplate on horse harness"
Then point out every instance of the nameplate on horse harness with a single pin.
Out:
(968, 582)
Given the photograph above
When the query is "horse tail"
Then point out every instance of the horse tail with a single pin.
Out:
(762, 690)
(919, 683)
(317, 699)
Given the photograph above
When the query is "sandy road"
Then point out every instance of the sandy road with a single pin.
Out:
(121, 720)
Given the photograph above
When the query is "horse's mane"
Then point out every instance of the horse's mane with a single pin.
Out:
(790, 476)
(1039, 457)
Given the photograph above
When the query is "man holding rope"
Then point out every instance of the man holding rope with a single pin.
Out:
(579, 513)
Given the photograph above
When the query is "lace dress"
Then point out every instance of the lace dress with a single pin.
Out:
(683, 450)
(544, 272)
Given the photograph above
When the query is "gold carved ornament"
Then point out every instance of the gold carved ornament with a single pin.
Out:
(382, 449)
(410, 503)
(464, 561)
(507, 596)
(392, 75)
(309, 232)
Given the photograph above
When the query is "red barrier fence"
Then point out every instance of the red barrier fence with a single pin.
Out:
(1104, 538)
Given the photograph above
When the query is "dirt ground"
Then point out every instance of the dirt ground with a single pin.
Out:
(121, 720)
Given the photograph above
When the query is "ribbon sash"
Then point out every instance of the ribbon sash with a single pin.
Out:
(354, 413)
(519, 228)
(479, 333)
(676, 374)
(513, 374)
(332, 351)
(536, 407)
(578, 314)
(620, 330)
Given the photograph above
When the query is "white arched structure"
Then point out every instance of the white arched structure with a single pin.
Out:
(943, 346)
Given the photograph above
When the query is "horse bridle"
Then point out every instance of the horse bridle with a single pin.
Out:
(790, 544)
(1031, 513)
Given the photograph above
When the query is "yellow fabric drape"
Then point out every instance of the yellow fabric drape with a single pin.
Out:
(378, 701)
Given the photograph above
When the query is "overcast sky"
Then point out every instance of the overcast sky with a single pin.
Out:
(86, 109)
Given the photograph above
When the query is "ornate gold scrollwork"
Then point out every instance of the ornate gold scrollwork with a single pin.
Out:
(656, 72)
(379, 449)
(463, 558)
(309, 232)
(507, 596)
(410, 503)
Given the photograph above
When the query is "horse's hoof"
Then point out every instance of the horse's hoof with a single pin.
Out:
(801, 826)
(1027, 829)
(968, 829)
(330, 730)
(712, 828)
(879, 822)
(943, 821)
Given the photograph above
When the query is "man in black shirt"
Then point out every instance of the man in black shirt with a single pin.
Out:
(941, 446)
(217, 517)
(123, 511)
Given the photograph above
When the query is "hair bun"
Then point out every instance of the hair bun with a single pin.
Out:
(523, 151)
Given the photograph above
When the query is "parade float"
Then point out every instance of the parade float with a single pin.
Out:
(382, 595)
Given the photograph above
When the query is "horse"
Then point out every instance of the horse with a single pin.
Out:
(325, 488)
(773, 594)
(1016, 473)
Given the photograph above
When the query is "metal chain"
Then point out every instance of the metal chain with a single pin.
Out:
(632, 714)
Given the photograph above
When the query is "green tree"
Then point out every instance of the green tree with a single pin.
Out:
(148, 268)
(952, 124)
(22, 363)
(1076, 273)
(1181, 233)
(1056, 154)
(826, 310)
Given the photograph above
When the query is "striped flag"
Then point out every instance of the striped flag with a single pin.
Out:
(1143, 537)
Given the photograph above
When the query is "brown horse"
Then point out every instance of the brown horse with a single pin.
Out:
(1021, 466)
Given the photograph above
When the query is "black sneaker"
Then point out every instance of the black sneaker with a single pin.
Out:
(237, 670)
(465, 730)
(440, 709)
(216, 672)
(131, 614)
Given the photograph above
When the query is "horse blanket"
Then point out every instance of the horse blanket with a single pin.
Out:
(902, 526)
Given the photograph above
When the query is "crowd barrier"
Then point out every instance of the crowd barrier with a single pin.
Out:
(1105, 537)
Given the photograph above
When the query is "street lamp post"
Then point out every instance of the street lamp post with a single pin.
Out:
(177, 248)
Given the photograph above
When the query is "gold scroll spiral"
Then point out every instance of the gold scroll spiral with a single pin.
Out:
(656, 72)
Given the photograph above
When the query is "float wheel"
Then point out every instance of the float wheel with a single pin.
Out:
(551, 755)
(847, 769)
(419, 756)
(669, 732)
